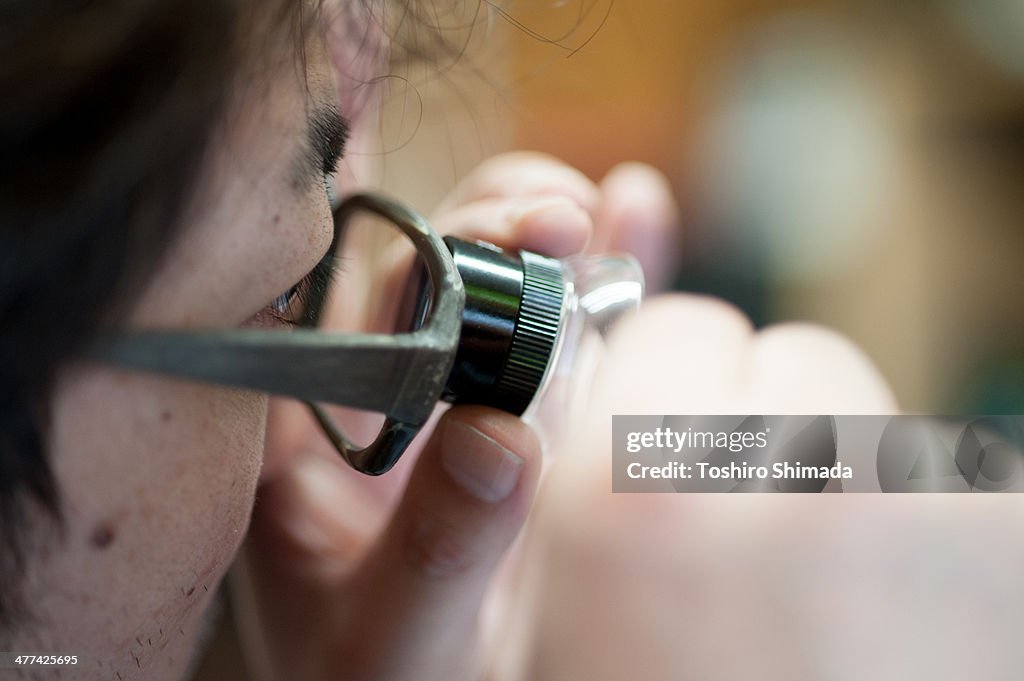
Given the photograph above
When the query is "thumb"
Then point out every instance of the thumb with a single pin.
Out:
(425, 578)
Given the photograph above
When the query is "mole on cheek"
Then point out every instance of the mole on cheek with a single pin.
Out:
(102, 536)
(165, 416)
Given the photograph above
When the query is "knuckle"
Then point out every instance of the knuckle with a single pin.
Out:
(434, 549)
(692, 315)
(820, 362)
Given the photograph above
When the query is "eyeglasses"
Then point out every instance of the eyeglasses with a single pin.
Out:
(487, 327)
(399, 375)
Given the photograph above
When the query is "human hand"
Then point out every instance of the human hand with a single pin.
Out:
(378, 579)
(724, 586)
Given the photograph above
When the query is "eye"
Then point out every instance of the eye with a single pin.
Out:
(282, 305)
(300, 305)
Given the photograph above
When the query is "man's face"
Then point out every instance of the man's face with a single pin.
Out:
(157, 476)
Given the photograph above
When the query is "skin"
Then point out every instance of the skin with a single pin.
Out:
(410, 576)
(158, 476)
(357, 544)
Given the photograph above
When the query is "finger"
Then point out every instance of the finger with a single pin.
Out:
(312, 519)
(426, 577)
(799, 366)
(309, 527)
(679, 354)
(554, 225)
(521, 174)
(639, 215)
(289, 431)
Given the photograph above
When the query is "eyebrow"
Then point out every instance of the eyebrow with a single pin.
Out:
(328, 131)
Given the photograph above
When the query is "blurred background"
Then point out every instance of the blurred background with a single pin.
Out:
(856, 164)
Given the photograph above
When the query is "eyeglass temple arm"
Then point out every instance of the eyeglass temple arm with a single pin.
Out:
(400, 376)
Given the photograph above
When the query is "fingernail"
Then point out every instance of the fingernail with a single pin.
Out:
(478, 464)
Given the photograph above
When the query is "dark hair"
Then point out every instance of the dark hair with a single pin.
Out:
(108, 108)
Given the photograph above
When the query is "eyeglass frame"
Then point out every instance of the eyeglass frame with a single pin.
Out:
(400, 375)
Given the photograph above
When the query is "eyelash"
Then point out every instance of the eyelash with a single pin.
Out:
(283, 302)
(292, 306)
(320, 277)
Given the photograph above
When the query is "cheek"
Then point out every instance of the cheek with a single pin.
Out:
(157, 480)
